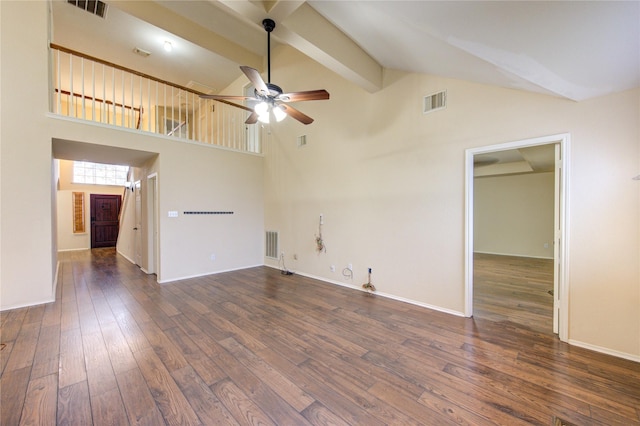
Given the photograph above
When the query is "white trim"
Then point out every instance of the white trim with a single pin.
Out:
(514, 255)
(607, 351)
(26, 305)
(187, 277)
(153, 260)
(145, 133)
(125, 256)
(55, 280)
(377, 293)
(564, 140)
(73, 249)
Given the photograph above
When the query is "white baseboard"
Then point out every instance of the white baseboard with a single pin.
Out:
(74, 249)
(55, 281)
(26, 305)
(208, 273)
(606, 351)
(514, 255)
(387, 295)
(126, 257)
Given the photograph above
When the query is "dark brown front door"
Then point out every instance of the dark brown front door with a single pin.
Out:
(105, 211)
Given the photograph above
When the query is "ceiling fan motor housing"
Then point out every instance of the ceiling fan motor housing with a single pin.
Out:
(268, 24)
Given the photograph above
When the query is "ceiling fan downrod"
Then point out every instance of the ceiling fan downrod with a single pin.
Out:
(269, 25)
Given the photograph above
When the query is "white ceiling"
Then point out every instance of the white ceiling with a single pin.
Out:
(571, 49)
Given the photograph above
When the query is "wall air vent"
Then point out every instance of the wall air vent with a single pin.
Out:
(96, 7)
(435, 101)
(271, 248)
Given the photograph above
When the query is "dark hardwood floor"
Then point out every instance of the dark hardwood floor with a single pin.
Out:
(514, 289)
(257, 347)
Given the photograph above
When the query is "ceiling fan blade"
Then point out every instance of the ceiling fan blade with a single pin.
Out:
(222, 97)
(254, 77)
(309, 95)
(252, 119)
(294, 113)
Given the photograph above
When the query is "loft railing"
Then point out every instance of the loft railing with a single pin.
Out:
(88, 88)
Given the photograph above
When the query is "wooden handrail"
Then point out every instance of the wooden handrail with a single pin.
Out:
(78, 95)
(138, 73)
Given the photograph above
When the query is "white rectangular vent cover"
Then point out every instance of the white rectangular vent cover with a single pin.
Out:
(96, 7)
(435, 102)
(271, 248)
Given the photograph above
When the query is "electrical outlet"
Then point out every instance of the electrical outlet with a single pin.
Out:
(333, 268)
(350, 267)
(213, 256)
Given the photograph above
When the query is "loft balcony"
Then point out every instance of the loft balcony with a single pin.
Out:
(90, 89)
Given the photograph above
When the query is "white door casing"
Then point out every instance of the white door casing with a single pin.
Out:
(561, 278)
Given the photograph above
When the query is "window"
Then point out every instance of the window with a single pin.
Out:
(99, 174)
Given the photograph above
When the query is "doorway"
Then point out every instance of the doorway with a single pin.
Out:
(105, 219)
(560, 255)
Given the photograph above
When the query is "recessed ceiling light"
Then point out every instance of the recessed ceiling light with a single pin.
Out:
(167, 46)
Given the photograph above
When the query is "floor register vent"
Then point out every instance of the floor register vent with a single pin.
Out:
(271, 248)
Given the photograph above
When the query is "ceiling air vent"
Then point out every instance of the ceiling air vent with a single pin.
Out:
(96, 7)
(435, 102)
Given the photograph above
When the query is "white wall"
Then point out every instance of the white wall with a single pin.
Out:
(190, 177)
(390, 183)
(513, 215)
(27, 269)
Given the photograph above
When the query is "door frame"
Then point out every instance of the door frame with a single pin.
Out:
(563, 140)
(152, 225)
(138, 227)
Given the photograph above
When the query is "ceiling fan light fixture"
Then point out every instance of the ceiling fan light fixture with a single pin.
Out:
(264, 118)
(261, 108)
(279, 113)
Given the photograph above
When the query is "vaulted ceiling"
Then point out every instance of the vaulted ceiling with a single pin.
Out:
(570, 49)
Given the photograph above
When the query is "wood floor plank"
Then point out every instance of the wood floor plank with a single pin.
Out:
(261, 394)
(24, 347)
(203, 401)
(13, 390)
(74, 405)
(172, 404)
(318, 414)
(72, 365)
(107, 408)
(47, 355)
(41, 401)
(244, 410)
(140, 406)
(204, 366)
(120, 353)
(284, 387)
(164, 347)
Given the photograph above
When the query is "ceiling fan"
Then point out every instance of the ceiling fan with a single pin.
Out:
(269, 97)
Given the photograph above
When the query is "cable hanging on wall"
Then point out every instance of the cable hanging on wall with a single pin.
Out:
(320, 247)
